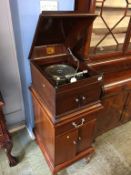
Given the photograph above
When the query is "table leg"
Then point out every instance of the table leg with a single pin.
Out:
(12, 160)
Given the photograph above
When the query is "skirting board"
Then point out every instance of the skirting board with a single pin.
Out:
(14, 118)
(16, 127)
(20, 126)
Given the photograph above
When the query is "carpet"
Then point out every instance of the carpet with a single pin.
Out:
(112, 157)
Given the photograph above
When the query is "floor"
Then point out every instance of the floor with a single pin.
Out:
(112, 157)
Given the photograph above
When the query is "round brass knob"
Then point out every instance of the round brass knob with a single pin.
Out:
(77, 100)
(83, 98)
(74, 142)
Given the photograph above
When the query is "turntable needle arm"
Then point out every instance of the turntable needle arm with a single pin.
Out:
(76, 74)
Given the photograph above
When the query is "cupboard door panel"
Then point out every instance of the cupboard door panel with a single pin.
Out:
(66, 147)
(110, 116)
(78, 96)
(86, 135)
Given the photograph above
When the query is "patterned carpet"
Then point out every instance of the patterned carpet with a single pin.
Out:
(112, 157)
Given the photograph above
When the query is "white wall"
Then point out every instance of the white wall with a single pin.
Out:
(10, 84)
(25, 15)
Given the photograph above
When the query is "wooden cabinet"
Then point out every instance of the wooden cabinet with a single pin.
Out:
(73, 142)
(75, 95)
(66, 147)
(69, 116)
(66, 92)
(69, 138)
(110, 116)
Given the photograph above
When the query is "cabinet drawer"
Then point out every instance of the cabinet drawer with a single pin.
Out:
(77, 97)
(74, 124)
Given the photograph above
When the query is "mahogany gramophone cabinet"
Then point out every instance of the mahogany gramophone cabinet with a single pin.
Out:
(81, 77)
(66, 92)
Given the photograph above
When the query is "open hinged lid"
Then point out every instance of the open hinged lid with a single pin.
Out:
(58, 31)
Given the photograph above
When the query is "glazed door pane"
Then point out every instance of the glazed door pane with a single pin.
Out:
(109, 29)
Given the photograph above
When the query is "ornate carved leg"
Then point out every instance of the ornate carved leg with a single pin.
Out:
(12, 160)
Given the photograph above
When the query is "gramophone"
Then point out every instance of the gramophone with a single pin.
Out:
(60, 74)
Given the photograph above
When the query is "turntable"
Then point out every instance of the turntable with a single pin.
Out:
(63, 74)
(60, 74)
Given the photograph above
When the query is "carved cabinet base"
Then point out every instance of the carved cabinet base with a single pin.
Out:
(69, 138)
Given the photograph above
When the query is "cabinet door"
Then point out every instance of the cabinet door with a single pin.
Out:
(110, 27)
(65, 147)
(86, 135)
(109, 117)
(127, 111)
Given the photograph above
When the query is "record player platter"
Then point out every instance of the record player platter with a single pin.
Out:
(60, 72)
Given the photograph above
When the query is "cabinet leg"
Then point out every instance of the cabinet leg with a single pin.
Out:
(12, 160)
(94, 141)
(88, 159)
(61, 172)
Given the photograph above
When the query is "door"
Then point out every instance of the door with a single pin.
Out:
(66, 147)
(110, 116)
(86, 135)
(75, 141)
(10, 84)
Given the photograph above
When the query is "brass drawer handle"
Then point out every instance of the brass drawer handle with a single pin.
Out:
(78, 126)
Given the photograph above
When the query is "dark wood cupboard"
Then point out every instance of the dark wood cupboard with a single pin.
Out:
(64, 143)
(68, 117)
(111, 115)
(70, 144)
(67, 140)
